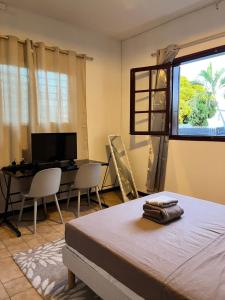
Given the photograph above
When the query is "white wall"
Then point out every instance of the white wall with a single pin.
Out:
(103, 73)
(194, 168)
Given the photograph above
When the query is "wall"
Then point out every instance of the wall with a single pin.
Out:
(103, 73)
(193, 168)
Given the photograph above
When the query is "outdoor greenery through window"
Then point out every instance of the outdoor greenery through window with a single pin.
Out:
(199, 86)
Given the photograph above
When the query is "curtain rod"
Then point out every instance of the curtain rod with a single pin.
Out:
(199, 41)
(51, 48)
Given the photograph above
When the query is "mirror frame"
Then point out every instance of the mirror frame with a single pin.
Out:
(125, 198)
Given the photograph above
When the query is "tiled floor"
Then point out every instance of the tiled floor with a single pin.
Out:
(13, 285)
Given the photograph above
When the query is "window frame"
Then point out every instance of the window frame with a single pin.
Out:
(174, 97)
(150, 90)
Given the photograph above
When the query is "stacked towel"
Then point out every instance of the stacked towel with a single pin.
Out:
(162, 210)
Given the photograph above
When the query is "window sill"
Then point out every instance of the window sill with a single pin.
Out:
(198, 138)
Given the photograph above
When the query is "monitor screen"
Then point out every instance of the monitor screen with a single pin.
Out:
(49, 147)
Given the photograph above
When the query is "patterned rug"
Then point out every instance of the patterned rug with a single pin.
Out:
(45, 270)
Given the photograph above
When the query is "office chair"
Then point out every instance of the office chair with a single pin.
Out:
(88, 176)
(45, 183)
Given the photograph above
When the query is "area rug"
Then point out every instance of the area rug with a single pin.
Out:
(44, 268)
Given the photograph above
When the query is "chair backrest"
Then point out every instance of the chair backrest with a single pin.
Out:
(45, 183)
(88, 176)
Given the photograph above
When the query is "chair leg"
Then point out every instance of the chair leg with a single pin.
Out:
(21, 209)
(78, 203)
(69, 194)
(58, 208)
(99, 200)
(35, 215)
(45, 206)
(88, 196)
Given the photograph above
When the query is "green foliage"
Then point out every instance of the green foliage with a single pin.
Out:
(203, 108)
(197, 105)
(187, 92)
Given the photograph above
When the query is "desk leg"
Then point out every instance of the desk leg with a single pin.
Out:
(5, 220)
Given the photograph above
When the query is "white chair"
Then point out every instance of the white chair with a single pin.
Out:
(45, 183)
(88, 176)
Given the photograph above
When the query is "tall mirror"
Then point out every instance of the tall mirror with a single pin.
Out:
(123, 169)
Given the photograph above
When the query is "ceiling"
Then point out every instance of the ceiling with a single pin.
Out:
(117, 18)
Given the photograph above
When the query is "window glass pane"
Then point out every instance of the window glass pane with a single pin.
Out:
(142, 80)
(158, 121)
(141, 122)
(142, 101)
(159, 79)
(202, 97)
(14, 92)
(158, 101)
(53, 99)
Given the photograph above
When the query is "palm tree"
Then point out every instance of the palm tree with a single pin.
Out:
(212, 81)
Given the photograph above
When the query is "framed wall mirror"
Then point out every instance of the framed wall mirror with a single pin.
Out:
(123, 168)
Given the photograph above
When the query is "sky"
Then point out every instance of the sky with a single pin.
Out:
(192, 69)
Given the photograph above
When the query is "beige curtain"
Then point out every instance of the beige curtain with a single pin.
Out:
(40, 91)
(13, 101)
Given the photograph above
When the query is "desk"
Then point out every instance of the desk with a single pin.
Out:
(30, 171)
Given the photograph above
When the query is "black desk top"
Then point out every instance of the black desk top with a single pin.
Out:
(28, 170)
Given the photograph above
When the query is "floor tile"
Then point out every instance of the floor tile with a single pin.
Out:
(59, 227)
(30, 236)
(16, 286)
(25, 230)
(3, 294)
(2, 246)
(4, 253)
(36, 242)
(52, 236)
(12, 241)
(6, 234)
(9, 270)
(44, 229)
(29, 294)
(18, 248)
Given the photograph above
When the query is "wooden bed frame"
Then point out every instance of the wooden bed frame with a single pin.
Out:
(103, 284)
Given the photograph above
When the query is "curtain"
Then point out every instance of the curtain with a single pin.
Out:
(41, 90)
(158, 147)
(14, 117)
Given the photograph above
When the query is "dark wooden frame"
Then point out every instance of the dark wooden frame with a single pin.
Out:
(174, 97)
(150, 90)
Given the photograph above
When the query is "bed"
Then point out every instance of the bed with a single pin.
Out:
(120, 255)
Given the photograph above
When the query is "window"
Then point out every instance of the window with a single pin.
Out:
(54, 87)
(190, 104)
(198, 102)
(149, 105)
(14, 81)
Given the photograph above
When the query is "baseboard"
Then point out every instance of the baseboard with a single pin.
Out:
(106, 190)
(142, 194)
(26, 209)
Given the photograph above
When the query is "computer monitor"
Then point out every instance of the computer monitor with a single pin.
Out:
(50, 147)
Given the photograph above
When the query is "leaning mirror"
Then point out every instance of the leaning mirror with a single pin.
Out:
(123, 169)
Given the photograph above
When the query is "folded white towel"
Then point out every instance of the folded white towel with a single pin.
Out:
(162, 201)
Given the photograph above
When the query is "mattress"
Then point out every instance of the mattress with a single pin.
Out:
(182, 260)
